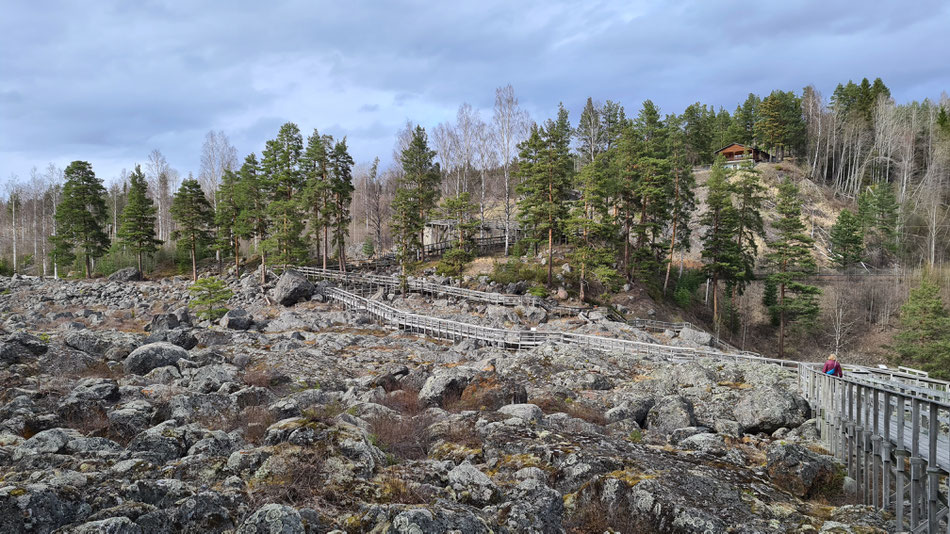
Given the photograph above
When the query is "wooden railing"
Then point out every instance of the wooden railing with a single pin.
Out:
(895, 444)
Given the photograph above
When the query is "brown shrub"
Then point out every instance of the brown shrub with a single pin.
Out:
(298, 479)
(253, 422)
(404, 401)
(94, 422)
(101, 369)
(405, 437)
(578, 409)
(258, 377)
(464, 434)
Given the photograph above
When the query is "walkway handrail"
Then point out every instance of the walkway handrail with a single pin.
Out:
(879, 433)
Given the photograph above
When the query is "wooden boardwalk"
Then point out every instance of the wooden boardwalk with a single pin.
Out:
(889, 427)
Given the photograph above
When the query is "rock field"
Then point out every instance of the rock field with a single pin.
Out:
(121, 412)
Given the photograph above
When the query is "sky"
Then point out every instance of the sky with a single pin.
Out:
(109, 81)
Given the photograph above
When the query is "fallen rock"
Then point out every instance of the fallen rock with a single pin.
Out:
(154, 355)
(273, 518)
(669, 413)
(471, 486)
(292, 288)
(129, 274)
(801, 471)
(236, 319)
(769, 409)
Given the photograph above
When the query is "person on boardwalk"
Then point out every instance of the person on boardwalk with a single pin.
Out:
(832, 367)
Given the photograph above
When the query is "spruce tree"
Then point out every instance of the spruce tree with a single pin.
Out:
(545, 174)
(791, 260)
(195, 218)
(416, 194)
(847, 243)
(924, 336)
(461, 210)
(281, 170)
(721, 253)
(137, 231)
(341, 193)
(81, 217)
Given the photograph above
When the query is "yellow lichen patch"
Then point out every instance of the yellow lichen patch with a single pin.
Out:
(454, 451)
(629, 476)
(514, 462)
(735, 385)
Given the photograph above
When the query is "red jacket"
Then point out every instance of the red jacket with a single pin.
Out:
(832, 364)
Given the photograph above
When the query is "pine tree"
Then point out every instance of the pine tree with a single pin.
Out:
(81, 217)
(461, 210)
(137, 231)
(847, 243)
(341, 191)
(545, 174)
(749, 195)
(211, 294)
(924, 337)
(227, 214)
(252, 197)
(416, 194)
(791, 259)
(720, 248)
(195, 218)
(281, 170)
(591, 229)
(315, 166)
(682, 196)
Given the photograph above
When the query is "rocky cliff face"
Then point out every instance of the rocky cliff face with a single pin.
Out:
(312, 419)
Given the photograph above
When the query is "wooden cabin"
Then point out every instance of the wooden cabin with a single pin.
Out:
(737, 154)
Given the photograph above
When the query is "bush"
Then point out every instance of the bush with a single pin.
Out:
(683, 297)
(686, 286)
(538, 291)
(405, 437)
(453, 262)
(514, 270)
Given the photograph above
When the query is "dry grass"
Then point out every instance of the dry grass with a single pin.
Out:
(394, 490)
(403, 437)
(577, 409)
(101, 369)
(594, 517)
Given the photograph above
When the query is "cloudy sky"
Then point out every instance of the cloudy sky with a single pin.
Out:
(108, 81)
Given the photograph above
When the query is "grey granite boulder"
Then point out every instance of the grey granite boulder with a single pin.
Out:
(292, 288)
(151, 356)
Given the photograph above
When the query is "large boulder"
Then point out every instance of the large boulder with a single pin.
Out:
(154, 355)
(695, 336)
(445, 385)
(292, 288)
(801, 471)
(275, 518)
(236, 319)
(769, 409)
(129, 274)
(471, 486)
(669, 413)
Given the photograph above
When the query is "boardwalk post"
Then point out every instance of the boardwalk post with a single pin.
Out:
(916, 464)
(886, 454)
(933, 471)
(900, 458)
